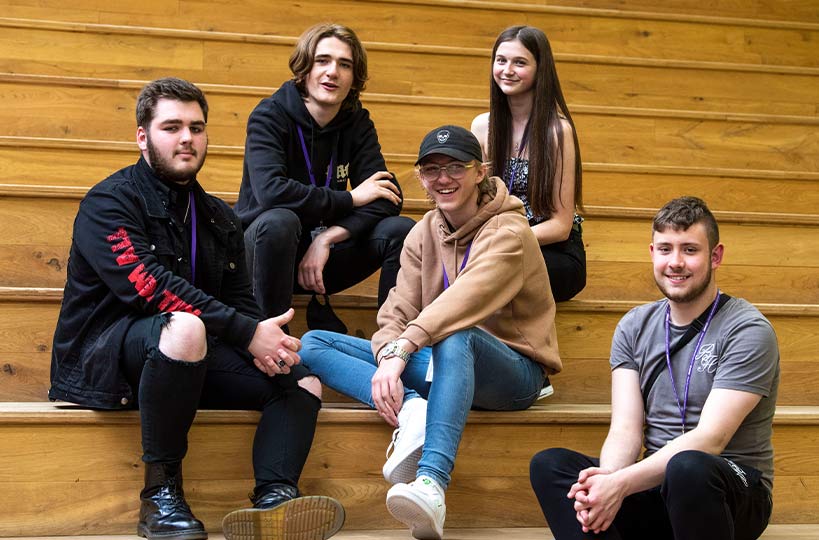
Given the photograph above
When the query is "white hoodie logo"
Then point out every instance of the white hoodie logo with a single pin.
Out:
(442, 136)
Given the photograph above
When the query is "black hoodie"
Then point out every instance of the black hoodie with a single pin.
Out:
(276, 174)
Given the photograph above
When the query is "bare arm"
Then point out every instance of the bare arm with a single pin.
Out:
(625, 438)
(723, 412)
(558, 227)
(600, 494)
(480, 128)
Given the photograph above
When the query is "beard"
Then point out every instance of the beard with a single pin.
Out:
(685, 296)
(164, 170)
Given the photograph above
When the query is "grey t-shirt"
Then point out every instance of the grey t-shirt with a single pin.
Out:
(739, 352)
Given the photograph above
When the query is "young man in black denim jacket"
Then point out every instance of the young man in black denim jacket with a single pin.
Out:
(158, 314)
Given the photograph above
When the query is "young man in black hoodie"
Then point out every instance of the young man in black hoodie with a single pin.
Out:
(303, 230)
(158, 314)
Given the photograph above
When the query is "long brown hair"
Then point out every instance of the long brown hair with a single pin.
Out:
(545, 157)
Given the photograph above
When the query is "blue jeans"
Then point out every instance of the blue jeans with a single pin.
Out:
(472, 369)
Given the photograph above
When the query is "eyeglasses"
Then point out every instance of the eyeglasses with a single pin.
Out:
(455, 171)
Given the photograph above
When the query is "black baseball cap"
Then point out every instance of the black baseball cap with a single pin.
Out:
(453, 141)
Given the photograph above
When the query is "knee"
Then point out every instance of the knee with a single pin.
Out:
(277, 228)
(313, 339)
(393, 229)
(312, 385)
(544, 464)
(312, 344)
(184, 338)
(458, 345)
(688, 474)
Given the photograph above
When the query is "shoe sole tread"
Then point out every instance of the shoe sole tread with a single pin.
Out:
(304, 518)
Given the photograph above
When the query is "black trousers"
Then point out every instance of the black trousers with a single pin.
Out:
(703, 497)
(275, 243)
(566, 264)
(170, 391)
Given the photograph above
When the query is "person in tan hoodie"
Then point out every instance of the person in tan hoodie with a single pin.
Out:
(469, 324)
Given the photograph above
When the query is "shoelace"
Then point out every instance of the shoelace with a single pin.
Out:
(175, 499)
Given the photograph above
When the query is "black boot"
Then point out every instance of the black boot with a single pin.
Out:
(279, 511)
(164, 514)
(272, 495)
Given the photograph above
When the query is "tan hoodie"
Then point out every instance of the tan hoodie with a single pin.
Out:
(503, 289)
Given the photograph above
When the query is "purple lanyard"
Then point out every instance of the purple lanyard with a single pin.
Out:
(514, 170)
(466, 258)
(193, 237)
(684, 404)
(310, 165)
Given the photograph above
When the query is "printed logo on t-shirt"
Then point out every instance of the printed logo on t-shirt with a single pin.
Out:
(707, 359)
(342, 173)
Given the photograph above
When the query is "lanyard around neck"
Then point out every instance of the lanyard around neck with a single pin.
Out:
(193, 237)
(466, 258)
(310, 164)
(684, 405)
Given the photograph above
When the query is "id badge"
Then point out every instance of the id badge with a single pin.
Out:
(317, 231)
(428, 377)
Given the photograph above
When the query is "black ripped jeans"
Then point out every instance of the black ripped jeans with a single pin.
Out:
(170, 391)
(703, 497)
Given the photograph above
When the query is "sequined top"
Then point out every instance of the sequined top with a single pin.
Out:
(517, 169)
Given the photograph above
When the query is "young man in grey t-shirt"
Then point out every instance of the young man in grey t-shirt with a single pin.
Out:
(694, 381)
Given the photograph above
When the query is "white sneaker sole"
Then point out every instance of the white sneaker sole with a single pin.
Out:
(303, 518)
(546, 391)
(402, 468)
(413, 512)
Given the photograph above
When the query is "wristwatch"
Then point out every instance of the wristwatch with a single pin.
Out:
(394, 349)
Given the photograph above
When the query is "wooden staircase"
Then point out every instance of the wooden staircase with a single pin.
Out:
(669, 99)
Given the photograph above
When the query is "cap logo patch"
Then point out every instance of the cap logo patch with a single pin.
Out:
(442, 136)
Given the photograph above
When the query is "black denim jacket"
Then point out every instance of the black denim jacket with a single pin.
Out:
(130, 259)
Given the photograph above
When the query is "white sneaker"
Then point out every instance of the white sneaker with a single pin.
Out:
(407, 442)
(419, 505)
(547, 389)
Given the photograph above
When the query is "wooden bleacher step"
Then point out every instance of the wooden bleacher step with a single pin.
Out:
(35, 238)
(774, 532)
(661, 137)
(400, 68)
(69, 470)
(641, 34)
(28, 317)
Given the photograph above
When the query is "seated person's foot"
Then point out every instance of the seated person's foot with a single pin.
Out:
(407, 442)
(320, 316)
(280, 512)
(164, 513)
(420, 506)
(547, 389)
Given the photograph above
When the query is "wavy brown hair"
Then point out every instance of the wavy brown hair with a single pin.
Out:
(301, 61)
